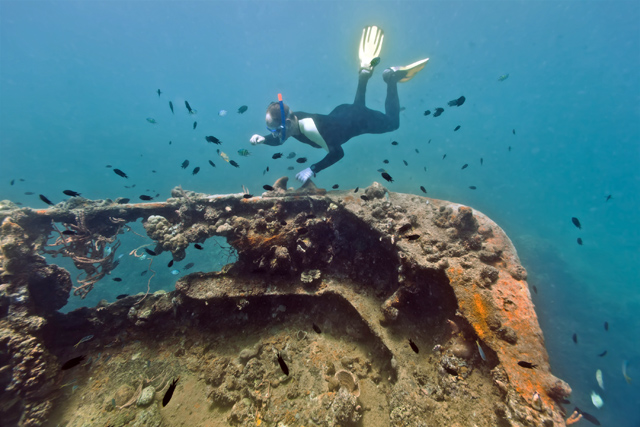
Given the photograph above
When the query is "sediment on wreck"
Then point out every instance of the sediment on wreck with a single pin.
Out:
(405, 268)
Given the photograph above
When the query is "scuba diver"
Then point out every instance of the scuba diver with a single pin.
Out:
(346, 121)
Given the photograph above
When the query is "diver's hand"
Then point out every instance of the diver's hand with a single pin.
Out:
(256, 139)
(304, 175)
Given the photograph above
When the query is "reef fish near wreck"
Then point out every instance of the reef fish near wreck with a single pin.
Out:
(71, 363)
(120, 173)
(188, 266)
(189, 109)
(627, 378)
(575, 338)
(242, 109)
(316, 328)
(484, 357)
(596, 400)
(195, 170)
(151, 120)
(213, 139)
(283, 365)
(576, 222)
(185, 164)
(234, 164)
(587, 416)
(145, 197)
(171, 106)
(83, 340)
(195, 125)
(387, 176)
(47, 201)
(413, 346)
(223, 155)
(527, 365)
(169, 393)
(438, 111)
(599, 379)
(457, 102)
(71, 193)
(503, 77)
(244, 152)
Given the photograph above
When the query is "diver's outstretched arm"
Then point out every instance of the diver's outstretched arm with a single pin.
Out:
(335, 154)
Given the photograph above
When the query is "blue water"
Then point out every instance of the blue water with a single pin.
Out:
(78, 80)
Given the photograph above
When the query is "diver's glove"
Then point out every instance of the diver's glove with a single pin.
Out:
(304, 175)
(257, 139)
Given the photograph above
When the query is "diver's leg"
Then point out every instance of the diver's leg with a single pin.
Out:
(363, 78)
(392, 106)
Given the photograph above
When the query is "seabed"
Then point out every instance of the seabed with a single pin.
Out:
(337, 284)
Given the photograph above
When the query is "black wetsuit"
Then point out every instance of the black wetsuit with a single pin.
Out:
(347, 121)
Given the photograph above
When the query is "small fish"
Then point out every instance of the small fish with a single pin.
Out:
(242, 109)
(417, 151)
(291, 155)
(276, 156)
(365, 198)
(170, 264)
(150, 252)
(444, 156)
(121, 296)
(198, 246)
(169, 393)
(382, 170)
(404, 228)
(145, 197)
(335, 186)
(472, 187)
(13, 181)
(385, 161)
(413, 346)
(29, 193)
(608, 198)
(151, 120)
(195, 125)
(606, 326)
(387, 176)
(185, 164)
(423, 189)
(534, 289)
(188, 266)
(117, 279)
(456, 128)
(212, 164)
(482, 355)
(290, 168)
(222, 113)
(503, 77)
(189, 109)
(123, 201)
(174, 272)
(579, 241)
(71, 193)
(427, 112)
(481, 161)
(316, 328)
(244, 152)
(627, 378)
(159, 92)
(588, 417)
(144, 273)
(509, 148)
(457, 102)
(527, 365)
(267, 187)
(596, 400)
(356, 190)
(394, 142)
(71, 363)
(375, 61)
(213, 139)
(283, 365)
(301, 160)
(234, 164)
(599, 379)
(575, 338)
(405, 163)
(603, 354)
(83, 340)
(69, 233)
(195, 170)
(466, 165)
(412, 237)
(223, 155)
(171, 106)
(576, 222)
(438, 112)
(47, 201)
(513, 131)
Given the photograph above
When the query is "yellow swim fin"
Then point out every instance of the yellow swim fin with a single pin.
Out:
(410, 70)
(370, 46)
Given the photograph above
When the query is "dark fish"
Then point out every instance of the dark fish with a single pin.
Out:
(290, 168)
(122, 296)
(186, 104)
(169, 142)
(387, 176)
(579, 241)
(414, 347)
(443, 157)
(69, 233)
(276, 156)
(170, 264)
(527, 365)
(185, 164)
(457, 102)
(291, 155)
(606, 326)
(47, 201)
(71, 193)
(153, 171)
(534, 289)
(123, 201)
(119, 172)
(198, 246)
(513, 131)
(301, 160)
(423, 189)
(145, 197)
(188, 266)
(170, 390)
(171, 106)
(356, 190)
(509, 148)
(302, 230)
(565, 401)
(71, 363)
(375, 61)
(144, 273)
(29, 193)
(405, 163)
(417, 150)
(438, 112)
(159, 92)
(283, 365)
(603, 354)
(481, 161)
(456, 128)
(150, 252)
(213, 139)
(608, 197)
(335, 186)
(472, 187)
(365, 198)
(195, 170)
(413, 237)
(117, 279)
(13, 181)
(576, 222)
(242, 109)
(404, 228)
(575, 338)
(316, 328)
(394, 143)
(385, 161)
(212, 164)
(427, 112)
(466, 165)
(234, 164)
(267, 187)
(588, 417)
(195, 125)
